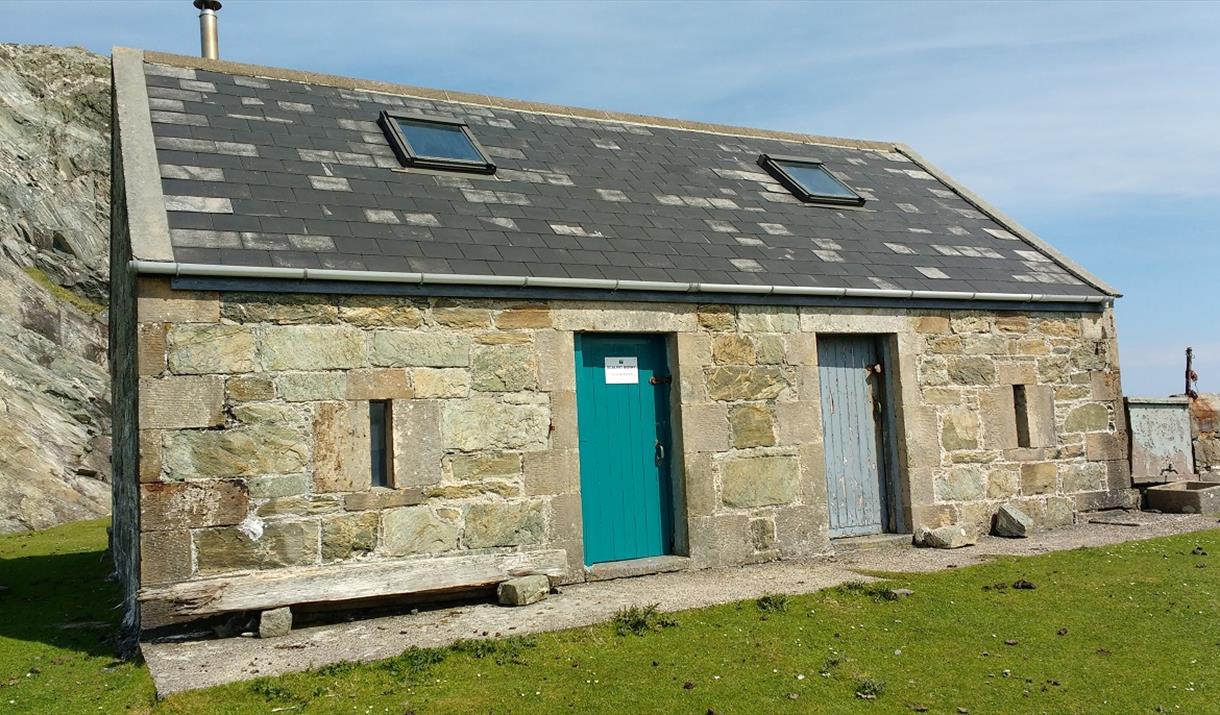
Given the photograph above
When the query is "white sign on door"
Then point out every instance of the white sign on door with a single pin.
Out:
(622, 371)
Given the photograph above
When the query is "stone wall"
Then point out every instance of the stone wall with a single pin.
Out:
(254, 424)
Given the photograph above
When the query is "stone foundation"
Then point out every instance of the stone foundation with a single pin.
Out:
(254, 425)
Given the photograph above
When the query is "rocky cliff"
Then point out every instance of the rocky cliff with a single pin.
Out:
(54, 227)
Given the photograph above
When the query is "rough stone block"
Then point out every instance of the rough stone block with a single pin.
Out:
(280, 308)
(275, 623)
(1040, 409)
(190, 505)
(483, 423)
(564, 431)
(797, 423)
(380, 312)
(1092, 417)
(417, 530)
(745, 383)
(456, 315)
(700, 483)
(705, 427)
(769, 349)
(767, 319)
(1040, 478)
(963, 483)
(279, 543)
(566, 518)
(503, 524)
(952, 536)
(972, 370)
(342, 462)
(801, 531)
(165, 556)
(503, 369)
(1011, 522)
(1016, 373)
(181, 402)
(524, 315)
(999, 418)
(718, 318)
(348, 536)
(474, 467)
(552, 472)
(432, 383)
(523, 590)
(403, 348)
(382, 498)
(150, 455)
(378, 384)
(759, 481)
(202, 349)
(931, 325)
(751, 425)
(310, 386)
(733, 350)
(249, 388)
(151, 338)
(1003, 482)
(959, 430)
(274, 486)
(311, 347)
(762, 533)
(721, 540)
(156, 302)
(417, 442)
(556, 360)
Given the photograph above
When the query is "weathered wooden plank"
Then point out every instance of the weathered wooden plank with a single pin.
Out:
(343, 582)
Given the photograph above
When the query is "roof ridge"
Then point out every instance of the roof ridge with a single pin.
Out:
(491, 101)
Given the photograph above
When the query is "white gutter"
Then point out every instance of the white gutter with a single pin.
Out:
(327, 274)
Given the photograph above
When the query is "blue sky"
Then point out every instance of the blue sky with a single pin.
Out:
(1096, 125)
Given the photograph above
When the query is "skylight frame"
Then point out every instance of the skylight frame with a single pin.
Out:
(409, 157)
(772, 163)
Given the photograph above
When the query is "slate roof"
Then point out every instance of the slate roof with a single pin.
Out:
(268, 172)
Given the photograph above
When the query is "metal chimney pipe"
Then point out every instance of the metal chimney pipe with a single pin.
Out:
(209, 36)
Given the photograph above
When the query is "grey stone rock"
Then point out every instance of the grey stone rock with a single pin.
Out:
(952, 536)
(54, 228)
(275, 623)
(524, 590)
(1011, 522)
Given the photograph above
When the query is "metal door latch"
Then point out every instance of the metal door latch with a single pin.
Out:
(660, 453)
(655, 380)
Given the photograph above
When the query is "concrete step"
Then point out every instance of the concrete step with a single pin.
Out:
(855, 544)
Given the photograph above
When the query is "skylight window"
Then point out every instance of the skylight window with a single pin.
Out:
(809, 180)
(435, 143)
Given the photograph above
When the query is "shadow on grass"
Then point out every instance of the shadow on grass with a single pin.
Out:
(60, 599)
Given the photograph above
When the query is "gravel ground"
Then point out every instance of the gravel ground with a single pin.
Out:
(199, 664)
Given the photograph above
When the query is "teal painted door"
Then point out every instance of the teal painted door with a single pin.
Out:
(851, 380)
(622, 406)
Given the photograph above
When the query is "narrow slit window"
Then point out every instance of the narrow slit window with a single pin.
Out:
(809, 180)
(435, 142)
(1020, 404)
(379, 443)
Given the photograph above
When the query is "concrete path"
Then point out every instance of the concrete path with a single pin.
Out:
(199, 664)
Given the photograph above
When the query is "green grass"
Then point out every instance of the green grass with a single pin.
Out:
(1124, 629)
(77, 301)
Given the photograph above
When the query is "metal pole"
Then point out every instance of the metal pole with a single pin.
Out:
(209, 35)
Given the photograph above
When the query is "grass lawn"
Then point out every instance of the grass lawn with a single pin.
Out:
(1125, 629)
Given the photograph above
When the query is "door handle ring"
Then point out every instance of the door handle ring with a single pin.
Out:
(660, 453)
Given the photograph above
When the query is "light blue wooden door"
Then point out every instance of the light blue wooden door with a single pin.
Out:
(622, 406)
(851, 387)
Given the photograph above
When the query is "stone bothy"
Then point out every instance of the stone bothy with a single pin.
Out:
(374, 340)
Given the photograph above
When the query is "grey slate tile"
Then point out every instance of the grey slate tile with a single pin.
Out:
(673, 182)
